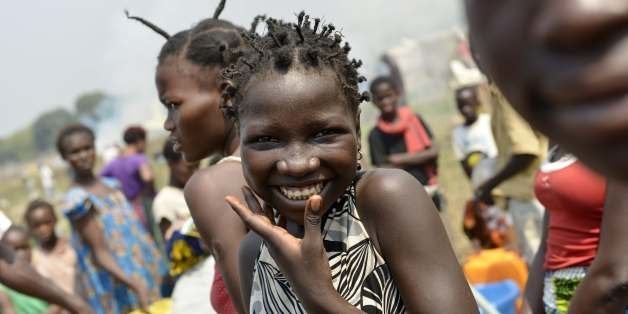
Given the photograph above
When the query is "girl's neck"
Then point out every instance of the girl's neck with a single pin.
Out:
(85, 179)
(50, 245)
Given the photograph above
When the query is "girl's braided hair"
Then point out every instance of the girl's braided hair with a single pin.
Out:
(211, 42)
(307, 43)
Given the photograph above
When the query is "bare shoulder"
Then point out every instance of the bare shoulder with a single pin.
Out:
(387, 191)
(215, 182)
(389, 200)
(205, 195)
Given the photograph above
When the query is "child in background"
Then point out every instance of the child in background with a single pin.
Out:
(472, 140)
(401, 139)
(17, 238)
(169, 205)
(54, 257)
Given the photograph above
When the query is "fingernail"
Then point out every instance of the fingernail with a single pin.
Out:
(315, 203)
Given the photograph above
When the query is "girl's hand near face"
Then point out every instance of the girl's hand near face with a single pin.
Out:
(303, 261)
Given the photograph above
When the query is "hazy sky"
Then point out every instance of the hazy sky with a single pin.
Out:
(54, 50)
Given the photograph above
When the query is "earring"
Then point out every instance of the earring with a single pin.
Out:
(359, 166)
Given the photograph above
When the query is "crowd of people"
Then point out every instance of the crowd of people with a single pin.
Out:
(289, 220)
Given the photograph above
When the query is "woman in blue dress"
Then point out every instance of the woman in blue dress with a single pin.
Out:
(119, 266)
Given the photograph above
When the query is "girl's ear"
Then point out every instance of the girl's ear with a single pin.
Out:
(227, 98)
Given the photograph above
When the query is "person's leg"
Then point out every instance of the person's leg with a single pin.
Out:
(527, 219)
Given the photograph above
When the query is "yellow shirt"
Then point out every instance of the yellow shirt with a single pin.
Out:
(513, 135)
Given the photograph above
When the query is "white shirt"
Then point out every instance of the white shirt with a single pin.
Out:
(170, 204)
(477, 137)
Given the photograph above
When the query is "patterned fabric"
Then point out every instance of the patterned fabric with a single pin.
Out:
(559, 286)
(131, 246)
(359, 273)
(184, 252)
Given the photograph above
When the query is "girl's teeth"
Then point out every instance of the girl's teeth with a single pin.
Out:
(301, 193)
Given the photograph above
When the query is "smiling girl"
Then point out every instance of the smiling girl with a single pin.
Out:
(329, 238)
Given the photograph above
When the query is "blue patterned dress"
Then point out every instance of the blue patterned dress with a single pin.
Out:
(131, 246)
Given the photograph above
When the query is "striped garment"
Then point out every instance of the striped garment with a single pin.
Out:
(359, 273)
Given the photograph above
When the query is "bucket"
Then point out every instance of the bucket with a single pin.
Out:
(502, 295)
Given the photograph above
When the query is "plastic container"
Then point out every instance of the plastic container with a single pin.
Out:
(502, 295)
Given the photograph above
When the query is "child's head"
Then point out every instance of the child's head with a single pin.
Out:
(186, 77)
(385, 96)
(16, 237)
(468, 103)
(296, 102)
(75, 144)
(180, 169)
(40, 218)
(135, 135)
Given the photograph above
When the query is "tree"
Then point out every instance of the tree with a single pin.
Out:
(47, 126)
(87, 104)
(17, 146)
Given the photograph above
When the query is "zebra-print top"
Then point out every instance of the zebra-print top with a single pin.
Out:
(359, 273)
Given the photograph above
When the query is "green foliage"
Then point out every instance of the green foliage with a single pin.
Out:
(86, 105)
(18, 146)
(47, 126)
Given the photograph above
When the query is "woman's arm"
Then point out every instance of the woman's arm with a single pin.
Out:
(90, 230)
(221, 229)
(414, 159)
(408, 230)
(534, 287)
(605, 287)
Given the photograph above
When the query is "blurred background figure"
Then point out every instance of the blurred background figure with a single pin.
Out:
(47, 180)
(119, 266)
(132, 169)
(401, 139)
(16, 237)
(520, 152)
(169, 205)
(53, 256)
(472, 140)
(574, 198)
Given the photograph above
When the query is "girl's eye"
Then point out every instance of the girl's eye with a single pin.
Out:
(327, 132)
(264, 139)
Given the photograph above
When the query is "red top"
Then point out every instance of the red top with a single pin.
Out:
(574, 196)
(219, 296)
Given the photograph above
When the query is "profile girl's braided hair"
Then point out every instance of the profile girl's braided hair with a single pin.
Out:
(211, 42)
(308, 43)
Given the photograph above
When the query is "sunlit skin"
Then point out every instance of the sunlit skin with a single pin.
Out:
(297, 129)
(563, 65)
(297, 134)
(195, 121)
